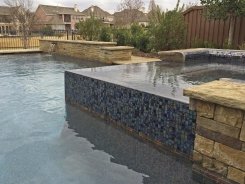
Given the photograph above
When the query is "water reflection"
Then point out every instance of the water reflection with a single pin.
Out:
(156, 167)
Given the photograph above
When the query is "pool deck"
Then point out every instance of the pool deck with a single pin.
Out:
(19, 51)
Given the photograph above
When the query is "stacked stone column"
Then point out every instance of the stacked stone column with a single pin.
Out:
(219, 149)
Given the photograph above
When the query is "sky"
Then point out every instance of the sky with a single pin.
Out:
(108, 5)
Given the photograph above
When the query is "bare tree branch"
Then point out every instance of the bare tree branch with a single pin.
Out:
(131, 8)
(22, 17)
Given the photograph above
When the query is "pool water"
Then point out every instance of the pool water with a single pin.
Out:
(166, 79)
(44, 141)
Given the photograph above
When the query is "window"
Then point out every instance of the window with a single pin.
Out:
(67, 18)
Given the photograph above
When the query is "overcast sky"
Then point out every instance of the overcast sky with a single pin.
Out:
(108, 5)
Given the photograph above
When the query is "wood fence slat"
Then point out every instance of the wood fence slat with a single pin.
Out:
(200, 29)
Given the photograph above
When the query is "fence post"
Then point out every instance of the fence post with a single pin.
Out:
(67, 34)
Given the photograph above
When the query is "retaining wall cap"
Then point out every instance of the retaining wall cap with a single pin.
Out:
(118, 48)
(81, 42)
(223, 92)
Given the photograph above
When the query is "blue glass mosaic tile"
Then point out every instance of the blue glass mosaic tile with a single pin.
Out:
(161, 119)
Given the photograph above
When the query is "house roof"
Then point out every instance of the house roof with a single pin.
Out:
(5, 10)
(124, 16)
(53, 10)
(98, 12)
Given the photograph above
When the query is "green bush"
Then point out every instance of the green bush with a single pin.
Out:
(105, 34)
(136, 31)
(122, 36)
(142, 42)
(168, 29)
(170, 33)
(47, 31)
(90, 29)
(242, 47)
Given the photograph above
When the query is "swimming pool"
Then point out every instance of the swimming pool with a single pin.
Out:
(147, 98)
(41, 144)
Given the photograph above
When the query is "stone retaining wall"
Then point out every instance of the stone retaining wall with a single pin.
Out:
(119, 53)
(220, 130)
(88, 50)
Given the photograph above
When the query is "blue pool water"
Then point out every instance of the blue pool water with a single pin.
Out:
(42, 144)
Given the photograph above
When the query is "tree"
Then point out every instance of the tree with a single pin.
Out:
(131, 7)
(152, 6)
(22, 16)
(223, 9)
(168, 29)
(90, 28)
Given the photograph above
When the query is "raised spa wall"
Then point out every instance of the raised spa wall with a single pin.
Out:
(219, 151)
(106, 52)
(202, 54)
(163, 121)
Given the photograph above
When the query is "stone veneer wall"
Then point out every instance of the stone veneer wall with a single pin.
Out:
(80, 49)
(220, 132)
(166, 122)
(106, 52)
(119, 53)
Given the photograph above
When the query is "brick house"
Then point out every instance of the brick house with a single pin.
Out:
(6, 23)
(100, 14)
(58, 17)
(126, 17)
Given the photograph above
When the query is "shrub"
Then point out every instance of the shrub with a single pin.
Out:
(105, 34)
(136, 32)
(168, 29)
(47, 31)
(242, 47)
(122, 37)
(142, 42)
(89, 29)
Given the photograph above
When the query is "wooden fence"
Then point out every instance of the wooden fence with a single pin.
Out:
(201, 31)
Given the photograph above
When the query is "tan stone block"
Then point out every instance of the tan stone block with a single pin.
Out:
(215, 166)
(197, 157)
(204, 109)
(204, 146)
(229, 116)
(236, 175)
(218, 127)
(229, 156)
(243, 147)
(207, 163)
(242, 135)
(220, 167)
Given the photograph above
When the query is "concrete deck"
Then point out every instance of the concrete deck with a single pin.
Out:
(20, 51)
(136, 59)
